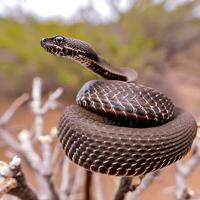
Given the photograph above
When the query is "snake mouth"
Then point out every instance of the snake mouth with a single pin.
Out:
(46, 45)
(59, 50)
(51, 48)
(42, 42)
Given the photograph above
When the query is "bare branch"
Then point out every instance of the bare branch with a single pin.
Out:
(145, 182)
(136, 189)
(14, 182)
(99, 191)
(42, 167)
(51, 102)
(46, 147)
(13, 108)
(29, 151)
(45, 167)
(88, 184)
(36, 95)
(9, 139)
(51, 187)
(36, 107)
(124, 187)
(7, 182)
(56, 156)
(183, 170)
(65, 184)
(76, 183)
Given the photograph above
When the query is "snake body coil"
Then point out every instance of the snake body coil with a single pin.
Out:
(119, 127)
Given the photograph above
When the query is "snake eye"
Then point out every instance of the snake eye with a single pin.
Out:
(59, 40)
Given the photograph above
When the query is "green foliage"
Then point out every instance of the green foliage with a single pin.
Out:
(136, 37)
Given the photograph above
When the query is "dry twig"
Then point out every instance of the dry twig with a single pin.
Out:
(99, 191)
(144, 184)
(183, 170)
(124, 187)
(88, 184)
(14, 182)
(42, 168)
(13, 108)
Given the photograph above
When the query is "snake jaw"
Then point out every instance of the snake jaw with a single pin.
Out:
(52, 47)
(57, 46)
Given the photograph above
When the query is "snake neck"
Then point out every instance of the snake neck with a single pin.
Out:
(84, 54)
(101, 67)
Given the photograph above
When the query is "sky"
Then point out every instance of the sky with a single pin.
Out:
(66, 9)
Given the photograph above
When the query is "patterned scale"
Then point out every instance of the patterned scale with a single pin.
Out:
(96, 144)
(127, 103)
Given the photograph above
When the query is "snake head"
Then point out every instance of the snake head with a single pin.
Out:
(54, 45)
(69, 47)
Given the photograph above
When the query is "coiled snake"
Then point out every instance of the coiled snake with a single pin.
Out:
(119, 127)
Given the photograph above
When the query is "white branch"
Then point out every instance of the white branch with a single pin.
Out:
(7, 181)
(65, 182)
(184, 169)
(77, 183)
(9, 139)
(98, 187)
(12, 180)
(45, 167)
(145, 182)
(42, 167)
(36, 95)
(29, 151)
(51, 102)
(13, 108)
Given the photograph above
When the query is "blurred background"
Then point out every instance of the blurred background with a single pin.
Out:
(160, 39)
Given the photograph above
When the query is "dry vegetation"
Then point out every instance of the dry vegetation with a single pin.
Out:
(147, 37)
(163, 46)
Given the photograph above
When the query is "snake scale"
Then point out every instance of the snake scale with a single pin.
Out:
(119, 127)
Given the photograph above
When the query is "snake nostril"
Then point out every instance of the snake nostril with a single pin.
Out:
(42, 42)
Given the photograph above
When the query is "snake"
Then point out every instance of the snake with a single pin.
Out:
(117, 126)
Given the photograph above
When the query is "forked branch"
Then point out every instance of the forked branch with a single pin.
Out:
(13, 180)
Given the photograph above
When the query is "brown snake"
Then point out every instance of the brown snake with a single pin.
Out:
(119, 127)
